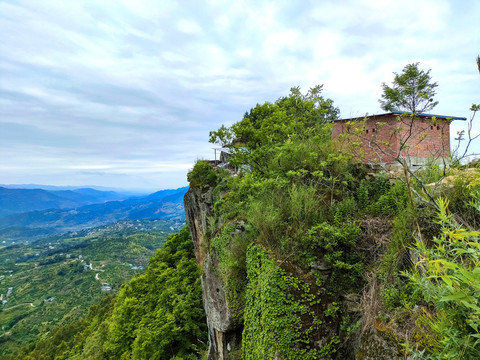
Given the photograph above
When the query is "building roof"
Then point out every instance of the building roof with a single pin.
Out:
(408, 113)
(224, 149)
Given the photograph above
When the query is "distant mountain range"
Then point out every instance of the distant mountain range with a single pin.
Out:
(32, 213)
(130, 192)
(13, 201)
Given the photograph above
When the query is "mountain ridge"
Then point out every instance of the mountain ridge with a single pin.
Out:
(164, 204)
(14, 201)
(131, 191)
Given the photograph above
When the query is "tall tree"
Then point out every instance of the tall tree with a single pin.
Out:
(270, 123)
(411, 91)
(253, 139)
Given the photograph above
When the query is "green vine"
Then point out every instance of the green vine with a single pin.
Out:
(280, 316)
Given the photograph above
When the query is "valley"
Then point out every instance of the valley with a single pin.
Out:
(56, 263)
(17, 200)
(55, 279)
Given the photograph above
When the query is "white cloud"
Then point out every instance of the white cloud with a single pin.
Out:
(189, 27)
(133, 87)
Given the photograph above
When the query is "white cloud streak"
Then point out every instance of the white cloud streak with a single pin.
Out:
(127, 91)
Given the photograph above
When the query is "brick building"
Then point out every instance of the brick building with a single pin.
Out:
(384, 137)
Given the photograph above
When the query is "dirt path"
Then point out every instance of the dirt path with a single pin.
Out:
(15, 306)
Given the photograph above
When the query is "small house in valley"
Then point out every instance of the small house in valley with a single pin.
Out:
(387, 137)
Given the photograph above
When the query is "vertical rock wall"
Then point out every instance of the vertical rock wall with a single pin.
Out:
(224, 334)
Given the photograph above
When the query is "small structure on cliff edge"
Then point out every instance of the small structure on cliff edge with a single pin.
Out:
(384, 138)
(224, 160)
(224, 155)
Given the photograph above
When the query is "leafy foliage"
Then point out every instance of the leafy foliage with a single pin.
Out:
(462, 196)
(253, 139)
(203, 173)
(230, 244)
(300, 210)
(411, 91)
(223, 136)
(159, 315)
(277, 306)
(293, 115)
(65, 340)
(294, 210)
(448, 275)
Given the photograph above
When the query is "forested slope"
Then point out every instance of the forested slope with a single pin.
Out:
(156, 315)
(53, 281)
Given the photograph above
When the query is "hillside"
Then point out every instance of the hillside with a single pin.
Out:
(53, 281)
(165, 204)
(309, 253)
(13, 201)
(156, 315)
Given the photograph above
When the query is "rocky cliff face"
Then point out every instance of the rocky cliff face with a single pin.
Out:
(224, 333)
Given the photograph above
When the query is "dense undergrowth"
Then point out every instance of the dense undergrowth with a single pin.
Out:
(317, 251)
(289, 240)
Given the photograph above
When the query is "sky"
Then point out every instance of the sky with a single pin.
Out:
(124, 93)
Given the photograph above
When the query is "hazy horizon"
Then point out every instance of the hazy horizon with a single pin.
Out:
(95, 187)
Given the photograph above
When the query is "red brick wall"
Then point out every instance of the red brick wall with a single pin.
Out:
(430, 139)
(380, 137)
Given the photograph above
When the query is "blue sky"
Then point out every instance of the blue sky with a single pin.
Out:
(123, 93)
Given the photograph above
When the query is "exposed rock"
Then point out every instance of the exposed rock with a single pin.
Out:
(352, 303)
(224, 333)
(378, 345)
(198, 203)
(321, 265)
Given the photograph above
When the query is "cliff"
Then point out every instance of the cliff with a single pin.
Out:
(307, 253)
(320, 310)
(223, 332)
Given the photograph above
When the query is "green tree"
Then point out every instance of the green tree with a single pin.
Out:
(296, 116)
(223, 136)
(411, 91)
(269, 123)
(159, 314)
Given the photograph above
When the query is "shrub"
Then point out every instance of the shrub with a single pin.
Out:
(392, 201)
(336, 245)
(448, 276)
(230, 244)
(203, 173)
